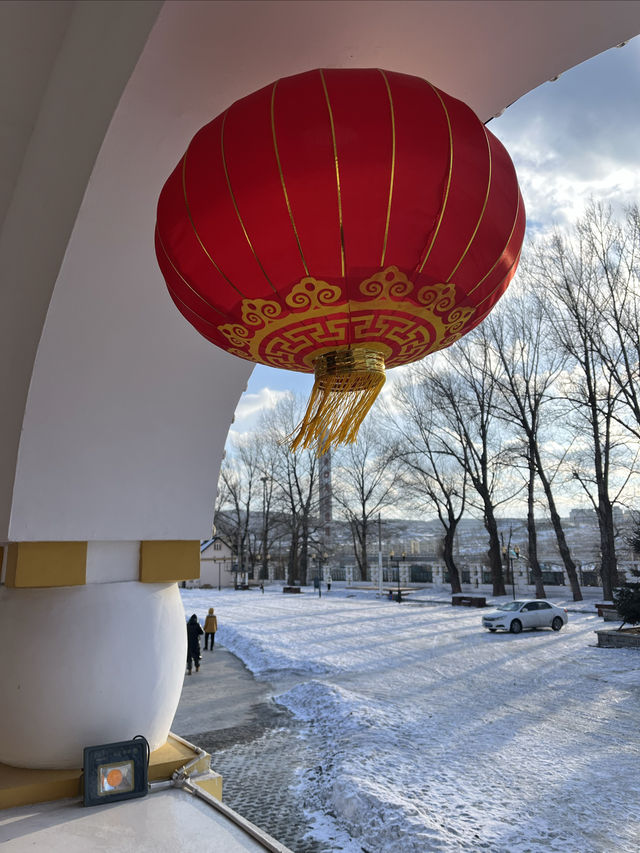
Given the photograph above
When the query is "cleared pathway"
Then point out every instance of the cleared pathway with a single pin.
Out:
(254, 744)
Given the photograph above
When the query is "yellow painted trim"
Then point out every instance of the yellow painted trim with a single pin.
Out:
(46, 564)
(20, 786)
(212, 784)
(173, 755)
(171, 560)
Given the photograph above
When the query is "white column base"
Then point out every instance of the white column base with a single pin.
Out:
(86, 665)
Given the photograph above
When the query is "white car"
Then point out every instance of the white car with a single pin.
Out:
(516, 616)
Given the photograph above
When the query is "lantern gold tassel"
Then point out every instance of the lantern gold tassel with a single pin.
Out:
(346, 386)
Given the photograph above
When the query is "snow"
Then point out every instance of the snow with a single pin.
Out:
(439, 736)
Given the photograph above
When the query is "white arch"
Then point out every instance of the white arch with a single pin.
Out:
(127, 408)
(115, 411)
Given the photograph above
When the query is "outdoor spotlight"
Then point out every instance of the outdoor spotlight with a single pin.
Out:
(116, 771)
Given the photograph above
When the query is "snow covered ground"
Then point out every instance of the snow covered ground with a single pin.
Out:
(439, 736)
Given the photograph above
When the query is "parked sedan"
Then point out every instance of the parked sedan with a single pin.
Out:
(516, 616)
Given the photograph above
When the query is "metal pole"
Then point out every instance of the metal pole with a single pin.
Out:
(263, 572)
(513, 578)
(379, 556)
(239, 560)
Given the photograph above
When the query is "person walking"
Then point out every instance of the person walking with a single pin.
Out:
(210, 628)
(194, 631)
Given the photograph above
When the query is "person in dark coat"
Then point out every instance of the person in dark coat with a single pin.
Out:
(194, 632)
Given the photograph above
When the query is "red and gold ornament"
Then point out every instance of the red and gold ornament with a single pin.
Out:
(340, 221)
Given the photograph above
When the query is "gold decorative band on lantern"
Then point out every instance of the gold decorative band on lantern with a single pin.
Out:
(346, 386)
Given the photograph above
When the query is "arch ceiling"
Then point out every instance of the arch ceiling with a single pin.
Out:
(116, 413)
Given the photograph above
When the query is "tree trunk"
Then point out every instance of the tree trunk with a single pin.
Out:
(556, 521)
(304, 553)
(454, 574)
(609, 564)
(357, 544)
(495, 560)
(292, 563)
(532, 549)
(364, 563)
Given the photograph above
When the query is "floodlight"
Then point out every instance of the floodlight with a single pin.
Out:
(116, 771)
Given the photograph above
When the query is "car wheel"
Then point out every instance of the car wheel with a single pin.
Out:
(516, 626)
(493, 630)
(557, 623)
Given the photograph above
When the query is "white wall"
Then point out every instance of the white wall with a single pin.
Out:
(53, 118)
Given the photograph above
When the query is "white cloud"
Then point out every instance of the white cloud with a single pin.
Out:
(252, 405)
(576, 138)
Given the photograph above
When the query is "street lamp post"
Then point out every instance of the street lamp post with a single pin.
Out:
(399, 593)
(238, 561)
(397, 564)
(320, 558)
(379, 555)
(263, 568)
(508, 554)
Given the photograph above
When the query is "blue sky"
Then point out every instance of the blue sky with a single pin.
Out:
(572, 139)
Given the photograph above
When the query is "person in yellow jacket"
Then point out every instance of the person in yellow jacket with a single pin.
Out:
(210, 628)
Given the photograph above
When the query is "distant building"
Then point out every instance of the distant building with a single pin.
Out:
(216, 565)
(582, 514)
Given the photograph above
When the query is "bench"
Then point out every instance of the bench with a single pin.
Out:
(395, 594)
(461, 600)
(291, 589)
(608, 611)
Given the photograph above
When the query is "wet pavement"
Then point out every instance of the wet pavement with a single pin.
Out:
(254, 743)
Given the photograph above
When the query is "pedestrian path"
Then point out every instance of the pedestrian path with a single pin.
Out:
(222, 695)
(253, 743)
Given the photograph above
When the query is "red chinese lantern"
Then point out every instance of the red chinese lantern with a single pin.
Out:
(340, 221)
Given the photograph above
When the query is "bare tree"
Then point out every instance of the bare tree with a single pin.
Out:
(429, 476)
(614, 249)
(570, 271)
(366, 478)
(239, 477)
(527, 377)
(272, 522)
(464, 396)
(295, 476)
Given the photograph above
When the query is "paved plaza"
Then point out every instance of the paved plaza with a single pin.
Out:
(253, 743)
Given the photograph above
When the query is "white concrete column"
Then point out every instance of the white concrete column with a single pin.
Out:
(85, 665)
(92, 645)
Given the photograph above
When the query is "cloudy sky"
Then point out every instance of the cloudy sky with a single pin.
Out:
(571, 139)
